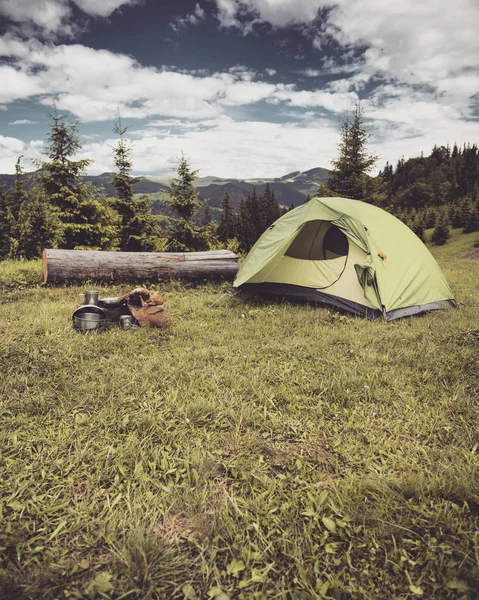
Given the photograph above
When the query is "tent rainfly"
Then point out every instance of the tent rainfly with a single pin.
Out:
(350, 255)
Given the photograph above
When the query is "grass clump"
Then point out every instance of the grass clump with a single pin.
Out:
(252, 450)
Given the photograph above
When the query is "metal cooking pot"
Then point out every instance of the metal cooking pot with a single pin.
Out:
(88, 317)
(111, 302)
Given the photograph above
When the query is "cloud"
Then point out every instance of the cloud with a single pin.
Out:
(102, 8)
(335, 102)
(417, 82)
(280, 13)
(191, 19)
(53, 16)
(93, 84)
(410, 42)
(228, 148)
(11, 148)
(23, 122)
(48, 15)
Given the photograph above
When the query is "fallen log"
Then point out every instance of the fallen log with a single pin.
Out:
(80, 265)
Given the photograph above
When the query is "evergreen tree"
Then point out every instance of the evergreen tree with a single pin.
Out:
(442, 231)
(227, 226)
(250, 220)
(84, 213)
(137, 225)
(4, 224)
(354, 162)
(469, 170)
(430, 218)
(41, 226)
(18, 203)
(247, 222)
(418, 228)
(470, 217)
(209, 228)
(254, 216)
(269, 208)
(206, 217)
(455, 216)
(183, 235)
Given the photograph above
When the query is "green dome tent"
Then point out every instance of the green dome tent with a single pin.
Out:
(347, 254)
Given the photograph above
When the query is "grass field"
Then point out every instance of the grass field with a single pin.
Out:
(252, 450)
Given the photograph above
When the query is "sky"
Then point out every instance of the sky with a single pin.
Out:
(244, 88)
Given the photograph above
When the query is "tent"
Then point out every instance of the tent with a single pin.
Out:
(347, 254)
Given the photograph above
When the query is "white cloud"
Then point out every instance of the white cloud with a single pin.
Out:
(191, 19)
(410, 42)
(426, 78)
(280, 13)
(229, 149)
(45, 14)
(335, 102)
(11, 148)
(52, 16)
(22, 122)
(93, 84)
(102, 8)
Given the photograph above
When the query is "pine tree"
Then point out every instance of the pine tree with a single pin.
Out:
(183, 235)
(418, 228)
(4, 225)
(469, 170)
(143, 228)
(470, 217)
(268, 208)
(41, 226)
(430, 218)
(354, 162)
(227, 226)
(442, 231)
(250, 221)
(247, 226)
(18, 202)
(206, 216)
(137, 225)
(86, 218)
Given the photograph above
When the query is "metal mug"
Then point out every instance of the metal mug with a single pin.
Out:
(91, 297)
(127, 322)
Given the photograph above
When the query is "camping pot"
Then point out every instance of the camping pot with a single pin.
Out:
(111, 302)
(127, 322)
(91, 297)
(88, 317)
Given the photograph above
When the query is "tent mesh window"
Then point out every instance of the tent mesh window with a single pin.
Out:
(318, 240)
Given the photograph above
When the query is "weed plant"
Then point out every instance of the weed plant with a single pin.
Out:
(254, 449)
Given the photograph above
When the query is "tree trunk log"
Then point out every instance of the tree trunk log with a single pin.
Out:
(79, 265)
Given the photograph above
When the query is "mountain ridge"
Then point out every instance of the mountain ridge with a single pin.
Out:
(289, 189)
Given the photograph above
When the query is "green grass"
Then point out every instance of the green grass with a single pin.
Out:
(252, 450)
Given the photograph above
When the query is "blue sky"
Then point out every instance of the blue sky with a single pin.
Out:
(245, 88)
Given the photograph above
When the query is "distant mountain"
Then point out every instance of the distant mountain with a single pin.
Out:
(289, 189)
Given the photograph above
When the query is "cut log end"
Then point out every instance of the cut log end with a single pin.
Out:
(45, 265)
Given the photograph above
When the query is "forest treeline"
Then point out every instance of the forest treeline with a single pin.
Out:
(60, 210)
(441, 188)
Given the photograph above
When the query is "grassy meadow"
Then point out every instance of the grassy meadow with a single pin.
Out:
(252, 450)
